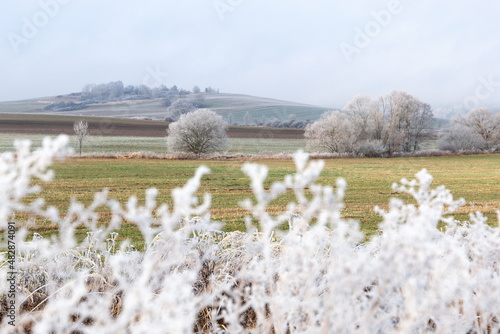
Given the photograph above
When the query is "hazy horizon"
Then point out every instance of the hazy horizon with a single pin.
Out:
(318, 53)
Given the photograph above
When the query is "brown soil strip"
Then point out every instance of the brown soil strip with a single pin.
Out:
(105, 126)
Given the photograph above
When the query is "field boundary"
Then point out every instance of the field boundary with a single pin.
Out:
(277, 156)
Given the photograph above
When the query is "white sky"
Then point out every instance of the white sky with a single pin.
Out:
(285, 49)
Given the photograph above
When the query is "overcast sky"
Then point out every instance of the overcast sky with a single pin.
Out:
(312, 51)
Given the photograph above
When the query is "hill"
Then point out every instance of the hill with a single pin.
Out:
(225, 104)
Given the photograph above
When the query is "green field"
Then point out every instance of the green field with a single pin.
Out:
(476, 178)
(123, 144)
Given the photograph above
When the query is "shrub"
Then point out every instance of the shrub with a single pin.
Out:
(371, 148)
(460, 138)
(198, 132)
(333, 133)
(180, 107)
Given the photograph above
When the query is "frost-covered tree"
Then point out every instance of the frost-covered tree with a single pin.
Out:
(460, 138)
(180, 107)
(483, 123)
(359, 110)
(246, 119)
(198, 101)
(230, 119)
(398, 120)
(198, 132)
(81, 129)
(401, 121)
(335, 132)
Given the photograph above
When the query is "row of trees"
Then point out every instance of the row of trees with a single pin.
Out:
(178, 106)
(395, 122)
(291, 123)
(116, 91)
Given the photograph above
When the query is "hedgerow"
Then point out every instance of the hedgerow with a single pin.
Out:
(424, 271)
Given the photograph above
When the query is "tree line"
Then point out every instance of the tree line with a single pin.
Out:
(394, 122)
(116, 91)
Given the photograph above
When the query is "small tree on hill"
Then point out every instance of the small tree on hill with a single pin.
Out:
(246, 119)
(81, 131)
(180, 107)
(198, 132)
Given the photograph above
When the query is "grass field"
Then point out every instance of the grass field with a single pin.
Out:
(128, 144)
(476, 178)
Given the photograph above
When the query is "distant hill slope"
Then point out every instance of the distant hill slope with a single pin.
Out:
(259, 107)
(225, 104)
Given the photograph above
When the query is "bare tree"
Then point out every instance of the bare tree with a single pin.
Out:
(483, 123)
(198, 132)
(81, 131)
(335, 132)
(359, 110)
(377, 119)
(421, 123)
(401, 121)
(230, 119)
(246, 119)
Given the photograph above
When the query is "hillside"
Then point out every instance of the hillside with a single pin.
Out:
(225, 104)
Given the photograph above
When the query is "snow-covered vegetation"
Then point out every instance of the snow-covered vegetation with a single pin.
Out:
(424, 271)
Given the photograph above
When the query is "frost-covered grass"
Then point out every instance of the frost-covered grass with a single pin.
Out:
(316, 277)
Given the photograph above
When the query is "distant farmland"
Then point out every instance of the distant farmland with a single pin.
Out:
(112, 135)
(107, 126)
